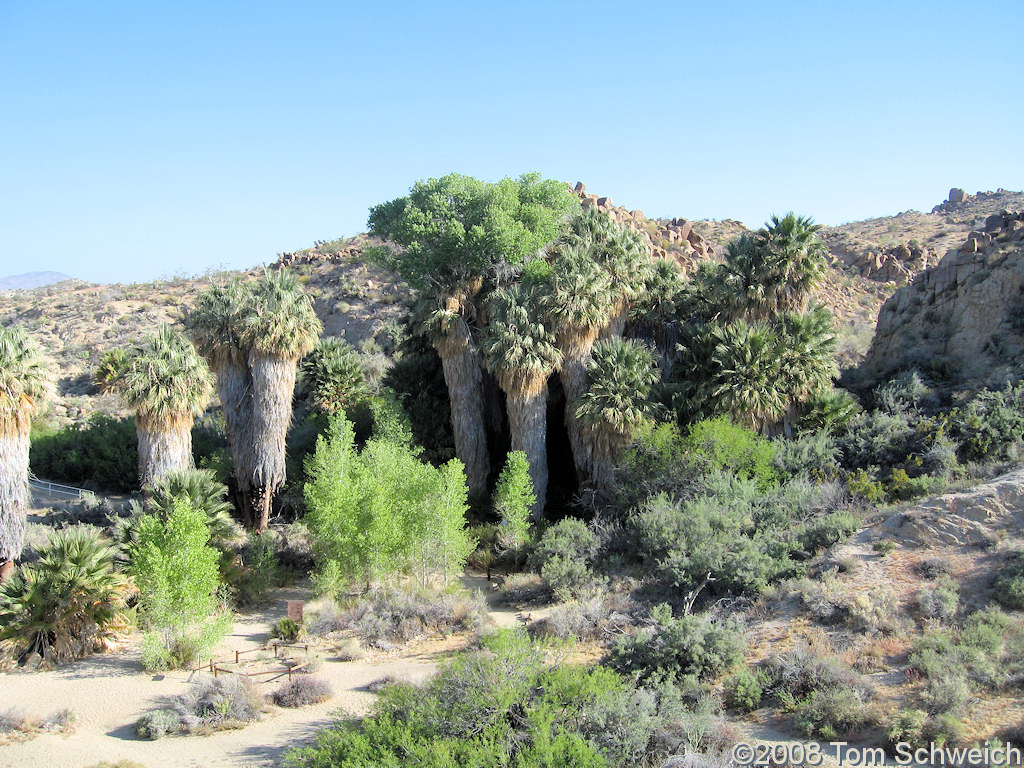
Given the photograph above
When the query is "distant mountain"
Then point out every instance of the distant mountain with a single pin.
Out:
(31, 280)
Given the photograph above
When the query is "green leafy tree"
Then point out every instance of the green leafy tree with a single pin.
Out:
(454, 233)
(176, 571)
(513, 502)
(26, 383)
(167, 384)
(618, 402)
(383, 512)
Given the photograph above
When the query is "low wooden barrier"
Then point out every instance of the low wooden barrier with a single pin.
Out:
(216, 668)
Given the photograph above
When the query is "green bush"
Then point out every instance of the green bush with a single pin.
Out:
(383, 512)
(1009, 585)
(990, 426)
(907, 726)
(287, 629)
(225, 702)
(811, 454)
(939, 601)
(101, 453)
(829, 529)
(176, 571)
(678, 650)
(513, 501)
(564, 555)
(738, 450)
(830, 714)
(744, 690)
(64, 605)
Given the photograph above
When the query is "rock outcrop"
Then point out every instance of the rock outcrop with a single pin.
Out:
(963, 319)
(971, 517)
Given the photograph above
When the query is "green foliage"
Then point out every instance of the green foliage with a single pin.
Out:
(991, 425)
(812, 454)
(564, 555)
(829, 529)
(333, 376)
(287, 629)
(175, 569)
(383, 512)
(1009, 585)
(101, 453)
(726, 446)
(64, 605)
(831, 714)
(744, 689)
(513, 499)
(454, 228)
(904, 392)
(677, 650)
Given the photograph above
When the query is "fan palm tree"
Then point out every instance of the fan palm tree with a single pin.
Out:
(26, 383)
(748, 384)
(617, 403)
(655, 315)
(577, 300)
(167, 384)
(214, 323)
(620, 252)
(521, 352)
(333, 376)
(808, 357)
(798, 259)
(279, 329)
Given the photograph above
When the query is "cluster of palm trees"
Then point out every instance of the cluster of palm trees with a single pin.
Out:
(755, 347)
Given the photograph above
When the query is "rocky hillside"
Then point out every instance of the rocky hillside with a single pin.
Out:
(962, 320)
(77, 322)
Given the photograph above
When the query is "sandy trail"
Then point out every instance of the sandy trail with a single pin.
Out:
(109, 692)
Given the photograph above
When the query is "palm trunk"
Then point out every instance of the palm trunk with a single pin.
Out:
(165, 446)
(462, 366)
(528, 424)
(14, 445)
(273, 386)
(234, 386)
(576, 349)
(617, 324)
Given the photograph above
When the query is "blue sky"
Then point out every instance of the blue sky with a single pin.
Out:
(140, 140)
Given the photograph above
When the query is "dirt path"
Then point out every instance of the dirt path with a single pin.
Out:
(109, 692)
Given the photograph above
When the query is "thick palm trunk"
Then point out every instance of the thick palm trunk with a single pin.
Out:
(234, 386)
(617, 324)
(528, 424)
(463, 367)
(273, 386)
(14, 445)
(165, 446)
(575, 381)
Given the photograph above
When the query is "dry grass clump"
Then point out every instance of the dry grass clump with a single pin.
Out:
(15, 725)
(212, 705)
(386, 617)
(302, 692)
(602, 617)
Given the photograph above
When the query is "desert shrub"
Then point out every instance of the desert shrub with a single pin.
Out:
(673, 649)
(933, 567)
(15, 723)
(224, 702)
(879, 439)
(744, 689)
(564, 555)
(796, 674)
(176, 571)
(829, 529)
(302, 692)
(809, 454)
(946, 692)
(904, 392)
(101, 453)
(939, 601)
(67, 603)
(257, 569)
(991, 425)
(593, 618)
(907, 726)
(287, 629)
(734, 449)
(863, 485)
(388, 616)
(657, 462)
(831, 713)
(945, 729)
(382, 511)
(1009, 585)
(525, 589)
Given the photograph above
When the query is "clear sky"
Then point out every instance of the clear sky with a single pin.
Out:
(146, 139)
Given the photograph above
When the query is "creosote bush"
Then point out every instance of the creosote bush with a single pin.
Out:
(564, 555)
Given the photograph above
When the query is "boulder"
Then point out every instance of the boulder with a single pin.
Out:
(957, 195)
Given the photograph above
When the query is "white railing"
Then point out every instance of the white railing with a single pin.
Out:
(55, 489)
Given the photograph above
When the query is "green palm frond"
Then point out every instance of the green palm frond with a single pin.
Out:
(280, 321)
(577, 294)
(517, 347)
(165, 378)
(214, 323)
(26, 379)
(333, 376)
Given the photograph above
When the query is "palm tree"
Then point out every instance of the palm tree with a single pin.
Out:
(214, 323)
(521, 352)
(577, 299)
(617, 403)
(798, 259)
(167, 384)
(808, 358)
(655, 315)
(26, 382)
(620, 252)
(748, 384)
(279, 328)
(333, 376)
